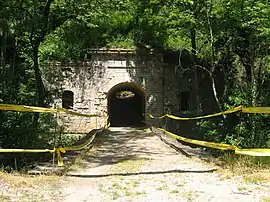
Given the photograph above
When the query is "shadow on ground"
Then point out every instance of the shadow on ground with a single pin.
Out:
(142, 173)
(117, 145)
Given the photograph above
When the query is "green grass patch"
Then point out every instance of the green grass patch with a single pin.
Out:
(259, 177)
(115, 195)
(162, 187)
(133, 165)
(5, 198)
(265, 199)
(117, 186)
(242, 188)
(174, 191)
(253, 169)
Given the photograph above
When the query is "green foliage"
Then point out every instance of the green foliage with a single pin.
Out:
(231, 36)
(240, 31)
(120, 42)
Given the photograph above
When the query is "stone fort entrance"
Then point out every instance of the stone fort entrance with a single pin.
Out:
(126, 105)
(124, 85)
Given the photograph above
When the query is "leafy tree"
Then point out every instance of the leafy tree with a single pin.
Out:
(223, 37)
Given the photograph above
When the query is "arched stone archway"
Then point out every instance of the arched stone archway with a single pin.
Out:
(126, 105)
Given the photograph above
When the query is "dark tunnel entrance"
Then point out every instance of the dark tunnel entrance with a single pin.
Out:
(126, 105)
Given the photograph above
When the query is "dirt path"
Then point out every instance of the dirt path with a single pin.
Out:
(127, 165)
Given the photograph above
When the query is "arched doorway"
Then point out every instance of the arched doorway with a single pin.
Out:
(126, 105)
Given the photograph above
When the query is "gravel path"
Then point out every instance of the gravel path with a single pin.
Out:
(127, 165)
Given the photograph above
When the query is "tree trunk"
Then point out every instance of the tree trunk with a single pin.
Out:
(35, 42)
(15, 71)
(247, 62)
(40, 89)
(2, 63)
(193, 41)
(193, 55)
(2, 37)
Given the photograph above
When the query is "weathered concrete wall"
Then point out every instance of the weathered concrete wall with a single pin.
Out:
(161, 77)
(90, 82)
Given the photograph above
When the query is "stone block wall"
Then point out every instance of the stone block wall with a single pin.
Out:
(161, 79)
(91, 80)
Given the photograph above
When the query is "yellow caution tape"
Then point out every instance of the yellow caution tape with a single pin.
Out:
(249, 152)
(26, 150)
(78, 147)
(200, 142)
(81, 146)
(259, 110)
(76, 113)
(151, 116)
(199, 117)
(59, 157)
(86, 143)
(22, 108)
(59, 150)
(253, 152)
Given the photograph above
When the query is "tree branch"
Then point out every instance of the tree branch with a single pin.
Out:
(20, 8)
(46, 14)
(213, 86)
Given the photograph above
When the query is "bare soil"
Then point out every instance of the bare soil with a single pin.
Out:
(135, 165)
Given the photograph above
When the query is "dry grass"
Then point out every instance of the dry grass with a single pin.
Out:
(133, 165)
(121, 188)
(189, 195)
(262, 176)
(17, 180)
(5, 198)
(253, 169)
(265, 199)
(80, 161)
(77, 164)
(21, 187)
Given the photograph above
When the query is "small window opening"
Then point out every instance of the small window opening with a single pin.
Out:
(66, 69)
(185, 101)
(67, 99)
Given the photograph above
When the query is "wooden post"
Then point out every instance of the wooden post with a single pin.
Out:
(54, 139)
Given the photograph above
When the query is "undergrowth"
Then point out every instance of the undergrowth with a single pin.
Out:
(252, 168)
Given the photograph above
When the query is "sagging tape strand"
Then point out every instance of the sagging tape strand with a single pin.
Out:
(200, 142)
(26, 150)
(236, 109)
(254, 110)
(22, 108)
(78, 147)
(58, 150)
(249, 152)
